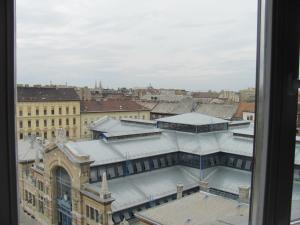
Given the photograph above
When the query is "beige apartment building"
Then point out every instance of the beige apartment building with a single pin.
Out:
(92, 111)
(41, 111)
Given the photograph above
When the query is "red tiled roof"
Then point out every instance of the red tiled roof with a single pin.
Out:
(244, 107)
(111, 105)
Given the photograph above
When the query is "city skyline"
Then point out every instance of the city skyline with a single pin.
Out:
(170, 44)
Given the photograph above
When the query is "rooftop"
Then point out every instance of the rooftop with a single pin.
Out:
(198, 209)
(141, 188)
(244, 107)
(192, 118)
(111, 105)
(224, 111)
(27, 149)
(141, 144)
(45, 94)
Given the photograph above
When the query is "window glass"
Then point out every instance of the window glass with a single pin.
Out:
(187, 68)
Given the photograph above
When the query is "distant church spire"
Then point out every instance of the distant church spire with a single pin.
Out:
(104, 192)
(95, 84)
(100, 85)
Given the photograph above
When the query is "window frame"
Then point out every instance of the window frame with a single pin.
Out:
(275, 121)
(276, 110)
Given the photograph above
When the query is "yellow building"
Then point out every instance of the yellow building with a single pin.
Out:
(92, 111)
(42, 111)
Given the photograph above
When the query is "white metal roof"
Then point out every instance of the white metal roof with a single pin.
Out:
(192, 119)
(134, 190)
(103, 152)
(27, 150)
(198, 209)
(228, 179)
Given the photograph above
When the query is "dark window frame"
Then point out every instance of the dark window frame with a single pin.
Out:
(278, 62)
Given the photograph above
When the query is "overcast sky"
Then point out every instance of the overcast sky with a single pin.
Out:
(190, 44)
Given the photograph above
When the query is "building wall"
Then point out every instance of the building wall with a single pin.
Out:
(250, 116)
(28, 113)
(41, 183)
(89, 117)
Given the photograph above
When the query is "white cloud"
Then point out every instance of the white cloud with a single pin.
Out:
(192, 44)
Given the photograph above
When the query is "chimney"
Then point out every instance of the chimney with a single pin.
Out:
(244, 194)
(104, 193)
(179, 190)
(203, 186)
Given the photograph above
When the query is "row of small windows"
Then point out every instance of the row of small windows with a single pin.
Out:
(129, 168)
(192, 128)
(120, 117)
(45, 123)
(45, 111)
(208, 161)
(93, 214)
(143, 165)
(44, 134)
(31, 199)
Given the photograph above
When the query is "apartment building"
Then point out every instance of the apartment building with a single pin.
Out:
(42, 111)
(92, 111)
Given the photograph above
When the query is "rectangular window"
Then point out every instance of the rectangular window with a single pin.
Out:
(67, 133)
(120, 170)
(97, 216)
(74, 110)
(20, 112)
(93, 175)
(74, 121)
(52, 122)
(29, 123)
(26, 195)
(45, 111)
(67, 122)
(87, 211)
(29, 111)
(45, 123)
(155, 163)
(146, 164)
(21, 136)
(239, 163)
(248, 165)
(45, 135)
(111, 172)
(21, 124)
(59, 122)
(37, 123)
(67, 110)
(33, 200)
(162, 162)
(130, 168)
(52, 111)
(37, 112)
(59, 111)
(138, 167)
(53, 134)
(92, 213)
